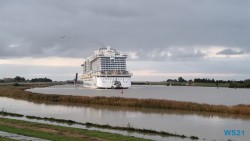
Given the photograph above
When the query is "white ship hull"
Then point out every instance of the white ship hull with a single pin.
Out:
(107, 82)
(106, 69)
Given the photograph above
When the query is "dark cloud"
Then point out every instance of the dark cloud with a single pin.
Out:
(35, 28)
(230, 52)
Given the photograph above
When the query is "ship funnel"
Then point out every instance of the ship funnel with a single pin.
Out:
(75, 81)
(108, 47)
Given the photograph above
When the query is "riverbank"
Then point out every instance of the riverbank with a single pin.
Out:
(182, 84)
(19, 92)
(205, 83)
(57, 133)
(128, 128)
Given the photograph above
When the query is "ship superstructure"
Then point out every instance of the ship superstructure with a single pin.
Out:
(106, 69)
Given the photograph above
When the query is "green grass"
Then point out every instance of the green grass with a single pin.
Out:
(38, 134)
(58, 133)
(6, 139)
(128, 128)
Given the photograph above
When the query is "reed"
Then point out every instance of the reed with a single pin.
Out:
(69, 122)
(4, 113)
(20, 93)
(144, 131)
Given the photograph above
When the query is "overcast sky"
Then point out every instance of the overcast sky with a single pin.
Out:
(164, 38)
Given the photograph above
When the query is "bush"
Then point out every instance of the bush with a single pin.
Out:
(40, 80)
(16, 84)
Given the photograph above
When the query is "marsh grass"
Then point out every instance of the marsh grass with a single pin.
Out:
(69, 122)
(132, 129)
(129, 128)
(88, 124)
(20, 93)
(4, 113)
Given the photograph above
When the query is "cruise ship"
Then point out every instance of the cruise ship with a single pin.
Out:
(106, 69)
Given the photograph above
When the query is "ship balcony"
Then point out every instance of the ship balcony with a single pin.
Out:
(113, 74)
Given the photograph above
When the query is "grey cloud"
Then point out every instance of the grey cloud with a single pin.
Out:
(29, 72)
(114, 9)
(230, 51)
(37, 27)
(169, 54)
(183, 53)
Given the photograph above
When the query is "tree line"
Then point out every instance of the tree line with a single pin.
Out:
(22, 79)
(232, 83)
(240, 84)
(204, 80)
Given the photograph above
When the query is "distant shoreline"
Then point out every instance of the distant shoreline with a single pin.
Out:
(207, 83)
(199, 84)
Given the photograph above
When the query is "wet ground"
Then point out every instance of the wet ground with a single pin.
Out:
(19, 137)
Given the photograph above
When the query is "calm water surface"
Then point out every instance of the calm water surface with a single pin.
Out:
(209, 95)
(208, 126)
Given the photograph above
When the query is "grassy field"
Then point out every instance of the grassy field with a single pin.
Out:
(6, 139)
(57, 133)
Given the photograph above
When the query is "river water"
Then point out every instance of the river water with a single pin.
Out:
(209, 95)
(204, 125)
